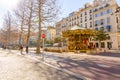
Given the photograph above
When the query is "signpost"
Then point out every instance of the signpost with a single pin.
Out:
(43, 38)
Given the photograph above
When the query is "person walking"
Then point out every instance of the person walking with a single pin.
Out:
(26, 49)
(21, 49)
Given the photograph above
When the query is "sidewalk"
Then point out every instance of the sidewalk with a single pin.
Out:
(18, 67)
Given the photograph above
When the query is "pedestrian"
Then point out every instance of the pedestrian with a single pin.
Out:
(21, 49)
(26, 49)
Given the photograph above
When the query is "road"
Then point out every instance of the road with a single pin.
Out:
(91, 67)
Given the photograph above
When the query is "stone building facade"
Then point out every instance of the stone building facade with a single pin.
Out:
(99, 15)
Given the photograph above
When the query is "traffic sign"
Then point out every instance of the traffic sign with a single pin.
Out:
(43, 35)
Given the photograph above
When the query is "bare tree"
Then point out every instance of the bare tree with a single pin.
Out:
(29, 19)
(47, 11)
(8, 31)
(20, 17)
(7, 25)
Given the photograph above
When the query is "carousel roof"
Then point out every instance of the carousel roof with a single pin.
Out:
(76, 27)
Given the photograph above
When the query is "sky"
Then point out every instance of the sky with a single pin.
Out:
(6, 5)
(67, 6)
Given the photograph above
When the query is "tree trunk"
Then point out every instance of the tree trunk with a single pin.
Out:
(29, 27)
(39, 33)
(21, 33)
(28, 36)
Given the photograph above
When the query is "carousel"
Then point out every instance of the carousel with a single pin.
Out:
(79, 38)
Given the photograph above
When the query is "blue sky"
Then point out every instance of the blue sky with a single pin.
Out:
(67, 6)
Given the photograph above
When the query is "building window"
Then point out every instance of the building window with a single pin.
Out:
(85, 13)
(108, 11)
(85, 19)
(81, 15)
(102, 45)
(108, 20)
(109, 45)
(96, 15)
(108, 28)
(85, 25)
(117, 19)
(90, 11)
(96, 22)
(81, 20)
(101, 8)
(90, 24)
(95, 10)
(102, 21)
(77, 22)
(90, 17)
(74, 18)
(96, 45)
(102, 28)
(106, 5)
(74, 23)
(102, 13)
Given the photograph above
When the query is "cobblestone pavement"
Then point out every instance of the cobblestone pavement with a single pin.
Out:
(19, 67)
